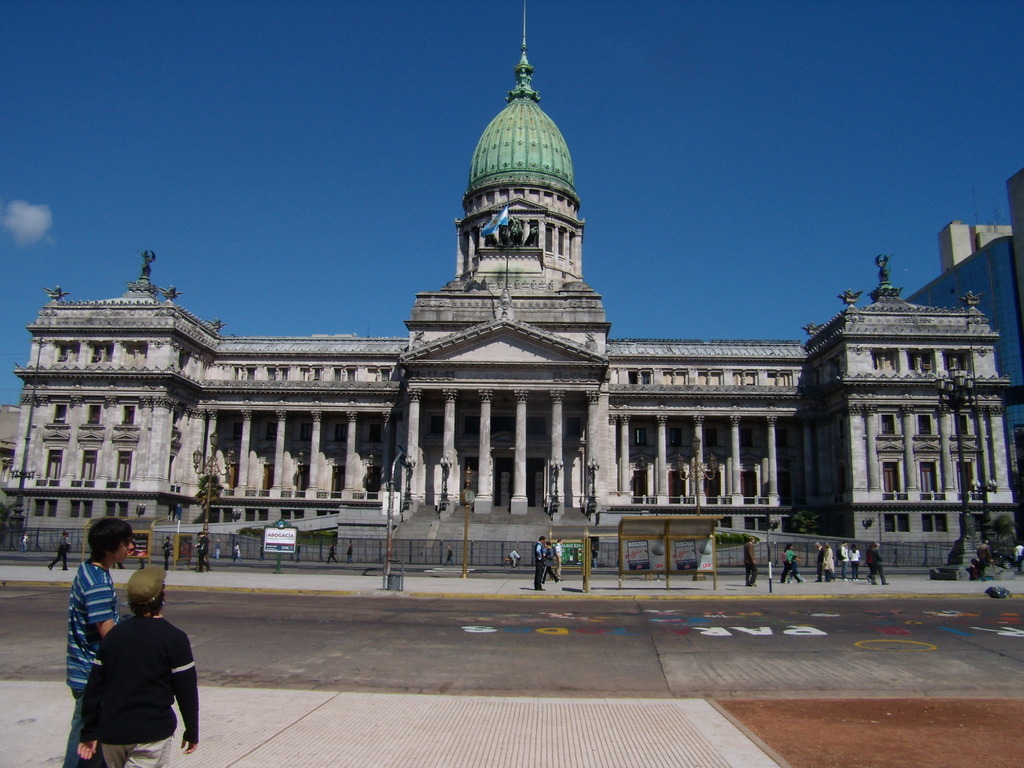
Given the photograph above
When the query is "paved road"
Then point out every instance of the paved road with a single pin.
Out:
(967, 646)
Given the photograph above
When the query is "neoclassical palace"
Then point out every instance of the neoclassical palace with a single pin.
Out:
(509, 384)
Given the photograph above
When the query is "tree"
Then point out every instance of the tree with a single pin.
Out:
(210, 491)
(803, 522)
(1004, 528)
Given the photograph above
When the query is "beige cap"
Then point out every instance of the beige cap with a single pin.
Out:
(146, 584)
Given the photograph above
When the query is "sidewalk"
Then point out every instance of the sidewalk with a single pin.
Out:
(251, 728)
(518, 583)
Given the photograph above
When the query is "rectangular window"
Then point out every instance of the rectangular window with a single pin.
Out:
(340, 432)
(574, 427)
(890, 477)
(102, 353)
(67, 352)
(884, 360)
(956, 361)
(94, 414)
(503, 424)
(711, 437)
(536, 426)
(633, 377)
(887, 422)
(236, 430)
(782, 438)
(436, 423)
(896, 523)
(124, 466)
(746, 438)
(53, 464)
(675, 437)
(271, 430)
(375, 432)
(471, 425)
(934, 523)
(60, 413)
(928, 479)
(640, 436)
(76, 509)
(89, 465)
(920, 360)
(924, 424)
(87, 508)
(645, 378)
(306, 430)
(128, 415)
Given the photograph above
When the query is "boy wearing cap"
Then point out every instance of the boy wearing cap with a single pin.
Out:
(92, 612)
(143, 666)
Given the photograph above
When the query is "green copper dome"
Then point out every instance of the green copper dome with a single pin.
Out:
(522, 144)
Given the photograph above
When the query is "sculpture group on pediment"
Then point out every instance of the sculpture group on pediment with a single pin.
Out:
(518, 233)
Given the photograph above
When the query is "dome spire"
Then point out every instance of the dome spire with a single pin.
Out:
(524, 73)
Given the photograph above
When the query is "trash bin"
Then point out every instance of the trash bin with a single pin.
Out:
(395, 577)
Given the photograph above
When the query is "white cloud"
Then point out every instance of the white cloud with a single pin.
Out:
(26, 222)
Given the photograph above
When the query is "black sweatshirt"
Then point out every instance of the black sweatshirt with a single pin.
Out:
(143, 665)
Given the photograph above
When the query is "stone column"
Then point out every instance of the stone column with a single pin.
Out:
(485, 478)
(857, 448)
(351, 461)
(244, 449)
(557, 397)
(910, 482)
(282, 422)
(810, 478)
(448, 444)
(73, 462)
(736, 465)
(982, 474)
(519, 498)
(162, 425)
(871, 429)
(106, 469)
(412, 449)
(624, 488)
(996, 448)
(949, 478)
(315, 454)
(662, 490)
(773, 462)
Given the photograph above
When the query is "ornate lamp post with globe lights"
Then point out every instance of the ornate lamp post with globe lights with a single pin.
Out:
(698, 471)
(958, 394)
(208, 469)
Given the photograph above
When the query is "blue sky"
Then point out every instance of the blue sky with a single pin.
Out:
(297, 166)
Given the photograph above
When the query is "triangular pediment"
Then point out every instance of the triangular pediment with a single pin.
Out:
(504, 342)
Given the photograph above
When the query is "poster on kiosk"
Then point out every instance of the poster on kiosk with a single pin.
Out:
(279, 541)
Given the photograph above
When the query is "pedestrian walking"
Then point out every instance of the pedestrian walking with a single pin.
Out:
(331, 554)
(24, 542)
(819, 559)
(168, 551)
(1018, 557)
(844, 557)
(143, 666)
(984, 553)
(791, 567)
(203, 554)
(749, 563)
(236, 553)
(216, 549)
(92, 613)
(876, 572)
(540, 562)
(449, 558)
(348, 552)
(556, 561)
(62, 552)
(828, 563)
(854, 555)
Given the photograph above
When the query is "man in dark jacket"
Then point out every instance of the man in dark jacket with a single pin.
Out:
(540, 562)
(749, 563)
(143, 666)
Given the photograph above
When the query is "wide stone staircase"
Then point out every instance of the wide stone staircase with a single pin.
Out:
(423, 523)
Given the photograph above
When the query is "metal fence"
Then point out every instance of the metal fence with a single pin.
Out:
(481, 553)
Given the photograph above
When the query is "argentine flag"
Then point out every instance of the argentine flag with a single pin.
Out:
(499, 220)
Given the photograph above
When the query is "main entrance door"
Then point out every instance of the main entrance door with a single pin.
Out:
(503, 466)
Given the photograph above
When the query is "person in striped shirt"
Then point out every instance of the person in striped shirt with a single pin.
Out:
(92, 612)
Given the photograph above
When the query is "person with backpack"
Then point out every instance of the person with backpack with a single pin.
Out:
(540, 562)
(843, 553)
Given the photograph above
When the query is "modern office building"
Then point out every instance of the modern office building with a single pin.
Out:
(509, 382)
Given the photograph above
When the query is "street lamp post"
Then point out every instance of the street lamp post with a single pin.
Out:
(18, 513)
(468, 497)
(446, 468)
(556, 469)
(400, 458)
(208, 470)
(698, 471)
(592, 470)
(958, 394)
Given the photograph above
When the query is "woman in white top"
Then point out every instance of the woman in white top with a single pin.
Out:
(854, 554)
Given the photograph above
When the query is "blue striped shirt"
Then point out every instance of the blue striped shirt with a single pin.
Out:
(92, 601)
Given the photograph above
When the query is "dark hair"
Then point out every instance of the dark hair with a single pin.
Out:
(148, 607)
(107, 535)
